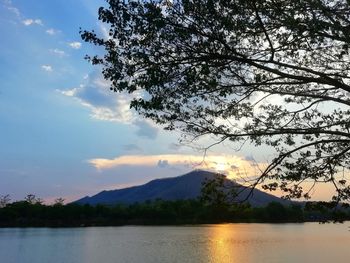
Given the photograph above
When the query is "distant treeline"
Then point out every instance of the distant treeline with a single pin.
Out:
(33, 213)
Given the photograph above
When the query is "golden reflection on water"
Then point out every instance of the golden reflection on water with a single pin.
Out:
(224, 246)
(234, 243)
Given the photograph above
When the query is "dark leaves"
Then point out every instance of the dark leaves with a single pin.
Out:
(272, 72)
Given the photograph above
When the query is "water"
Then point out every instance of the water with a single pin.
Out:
(243, 243)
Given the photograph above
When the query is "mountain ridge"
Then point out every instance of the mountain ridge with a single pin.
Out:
(187, 186)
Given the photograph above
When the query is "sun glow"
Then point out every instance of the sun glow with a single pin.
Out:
(221, 167)
(234, 167)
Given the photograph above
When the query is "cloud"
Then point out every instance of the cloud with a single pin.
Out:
(233, 166)
(105, 32)
(58, 52)
(163, 163)
(8, 4)
(174, 146)
(105, 105)
(131, 148)
(249, 158)
(14, 10)
(145, 129)
(47, 68)
(69, 93)
(75, 45)
(28, 22)
(52, 31)
(143, 160)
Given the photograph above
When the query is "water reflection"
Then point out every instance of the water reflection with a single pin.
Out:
(274, 243)
(221, 245)
(232, 243)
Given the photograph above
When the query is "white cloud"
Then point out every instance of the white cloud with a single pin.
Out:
(105, 32)
(52, 31)
(69, 93)
(14, 10)
(234, 166)
(75, 45)
(9, 5)
(28, 22)
(105, 105)
(58, 52)
(47, 68)
(119, 114)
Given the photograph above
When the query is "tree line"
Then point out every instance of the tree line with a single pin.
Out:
(32, 212)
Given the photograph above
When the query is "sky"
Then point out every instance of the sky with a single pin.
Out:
(62, 132)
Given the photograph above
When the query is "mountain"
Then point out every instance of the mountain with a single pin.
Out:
(187, 186)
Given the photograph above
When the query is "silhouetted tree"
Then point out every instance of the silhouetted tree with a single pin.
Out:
(218, 191)
(59, 201)
(276, 212)
(218, 194)
(4, 200)
(32, 199)
(192, 211)
(273, 72)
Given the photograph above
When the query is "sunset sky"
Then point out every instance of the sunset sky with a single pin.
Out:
(63, 133)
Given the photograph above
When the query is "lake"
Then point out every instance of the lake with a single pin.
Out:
(243, 243)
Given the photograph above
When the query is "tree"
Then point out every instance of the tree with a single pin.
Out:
(276, 212)
(4, 200)
(218, 191)
(32, 199)
(59, 201)
(272, 72)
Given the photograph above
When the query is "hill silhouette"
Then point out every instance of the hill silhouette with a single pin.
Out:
(187, 186)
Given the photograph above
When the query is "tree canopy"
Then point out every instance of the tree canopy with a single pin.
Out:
(272, 72)
(156, 212)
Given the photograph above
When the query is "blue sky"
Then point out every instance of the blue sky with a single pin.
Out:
(62, 132)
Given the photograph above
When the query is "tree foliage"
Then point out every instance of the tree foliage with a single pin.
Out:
(272, 72)
(32, 199)
(155, 212)
(218, 192)
(4, 200)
